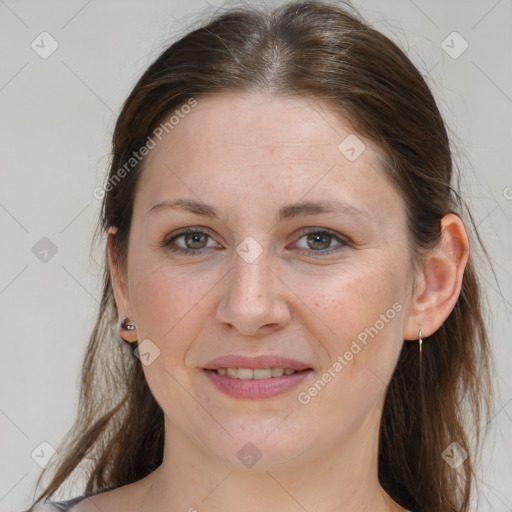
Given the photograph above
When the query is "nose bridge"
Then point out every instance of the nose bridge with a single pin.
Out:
(253, 278)
(252, 299)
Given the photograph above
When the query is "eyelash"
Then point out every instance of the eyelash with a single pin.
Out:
(180, 250)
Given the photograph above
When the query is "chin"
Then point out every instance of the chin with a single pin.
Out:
(260, 444)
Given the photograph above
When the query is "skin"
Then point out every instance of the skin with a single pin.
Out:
(248, 155)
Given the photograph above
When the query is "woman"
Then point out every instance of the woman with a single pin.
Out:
(299, 317)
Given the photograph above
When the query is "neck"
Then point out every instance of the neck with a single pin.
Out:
(342, 479)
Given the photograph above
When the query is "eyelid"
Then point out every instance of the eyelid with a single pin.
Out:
(316, 229)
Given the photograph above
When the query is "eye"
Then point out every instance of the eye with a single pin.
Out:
(318, 241)
(193, 240)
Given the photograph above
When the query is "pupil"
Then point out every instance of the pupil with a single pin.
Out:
(314, 238)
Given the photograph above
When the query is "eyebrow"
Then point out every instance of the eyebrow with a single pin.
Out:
(286, 212)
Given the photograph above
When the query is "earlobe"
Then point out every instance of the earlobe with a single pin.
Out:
(438, 287)
(126, 325)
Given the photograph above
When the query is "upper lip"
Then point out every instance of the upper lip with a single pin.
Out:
(255, 362)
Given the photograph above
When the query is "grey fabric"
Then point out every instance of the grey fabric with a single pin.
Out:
(57, 506)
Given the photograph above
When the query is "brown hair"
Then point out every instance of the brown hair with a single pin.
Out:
(321, 51)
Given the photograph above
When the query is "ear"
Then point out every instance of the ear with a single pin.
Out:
(438, 287)
(120, 289)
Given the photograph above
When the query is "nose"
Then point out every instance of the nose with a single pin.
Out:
(254, 301)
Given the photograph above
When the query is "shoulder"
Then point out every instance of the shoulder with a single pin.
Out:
(119, 499)
(127, 497)
(57, 506)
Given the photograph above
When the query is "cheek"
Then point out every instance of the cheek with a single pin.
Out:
(168, 303)
(361, 316)
(342, 302)
(356, 314)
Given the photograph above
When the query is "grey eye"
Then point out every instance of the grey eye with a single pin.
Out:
(319, 240)
(195, 240)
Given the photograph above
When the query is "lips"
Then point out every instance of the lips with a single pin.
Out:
(256, 377)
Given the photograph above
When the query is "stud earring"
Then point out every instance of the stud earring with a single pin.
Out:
(126, 326)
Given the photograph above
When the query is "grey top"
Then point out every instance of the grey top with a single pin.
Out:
(57, 506)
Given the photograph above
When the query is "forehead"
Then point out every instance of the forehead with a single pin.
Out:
(256, 125)
(259, 147)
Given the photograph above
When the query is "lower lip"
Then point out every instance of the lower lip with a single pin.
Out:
(256, 388)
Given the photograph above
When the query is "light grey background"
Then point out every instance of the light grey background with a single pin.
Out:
(57, 116)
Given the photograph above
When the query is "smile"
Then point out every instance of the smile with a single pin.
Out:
(258, 383)
(258, 374)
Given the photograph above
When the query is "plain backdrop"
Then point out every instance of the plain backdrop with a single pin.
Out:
(57, 116)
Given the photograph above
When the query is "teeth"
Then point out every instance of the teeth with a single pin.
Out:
(245, 373)
(277, 372)
(263, 373)
(258, 374)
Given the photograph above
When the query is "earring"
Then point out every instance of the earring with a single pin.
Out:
(127, 327)
(420, 343)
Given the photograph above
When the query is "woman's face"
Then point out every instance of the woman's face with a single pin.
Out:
(300, 253)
